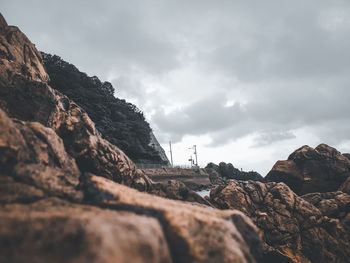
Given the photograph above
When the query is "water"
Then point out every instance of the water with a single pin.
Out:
(203, 193)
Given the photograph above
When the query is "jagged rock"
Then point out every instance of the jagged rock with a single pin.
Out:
(294, 230)
(228, 171)
(119, 224)
(308, 170)
(194, 233)
(18, 55)
(345, 187)
(331, 204)
(36, 159)
(24, 94)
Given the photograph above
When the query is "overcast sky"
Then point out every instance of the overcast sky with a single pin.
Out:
(248, 82)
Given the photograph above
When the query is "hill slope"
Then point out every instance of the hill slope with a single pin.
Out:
(120, 122)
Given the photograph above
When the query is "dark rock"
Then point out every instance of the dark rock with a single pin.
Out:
(311, 228)
(308, 170)
(347, 155)
(345, 187)
(228, 171)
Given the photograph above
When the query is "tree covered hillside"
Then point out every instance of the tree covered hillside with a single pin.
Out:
(120, 122)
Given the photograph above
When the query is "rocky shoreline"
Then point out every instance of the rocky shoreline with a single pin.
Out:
(69, 195)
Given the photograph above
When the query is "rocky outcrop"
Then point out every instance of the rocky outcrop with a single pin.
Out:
(120, 122)
(308, 170)
(120, 224)
(54, 209)
(35, 159)
(50, 214)
(228, 171)
(25, 94)
(312, 228)
(194, 233)
(332, 204)
(159, 149)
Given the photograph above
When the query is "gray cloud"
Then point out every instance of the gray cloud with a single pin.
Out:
(283, 65)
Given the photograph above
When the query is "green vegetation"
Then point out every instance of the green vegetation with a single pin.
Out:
(120, 122)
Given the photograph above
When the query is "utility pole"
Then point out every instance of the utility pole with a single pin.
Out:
(194, 148)
(191, 161)
(195, 153)
(171, 155)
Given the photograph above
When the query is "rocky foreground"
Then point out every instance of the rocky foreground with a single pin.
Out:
(66, 193)
(69, 195)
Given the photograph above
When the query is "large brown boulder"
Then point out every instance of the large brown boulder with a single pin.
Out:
(54, 230)
(314, 228)
(308, 170)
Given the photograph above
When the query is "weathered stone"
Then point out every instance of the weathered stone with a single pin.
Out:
(308, 170)
(34, 155)
(311, 228)
(55, 230)
(194, 233)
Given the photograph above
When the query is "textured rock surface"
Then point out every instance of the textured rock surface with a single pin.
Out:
(194, 233)
(35, 157)
(55, 230)
(308, 170)
(314, 228)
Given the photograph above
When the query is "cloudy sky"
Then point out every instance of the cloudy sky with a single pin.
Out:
(246, 81)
